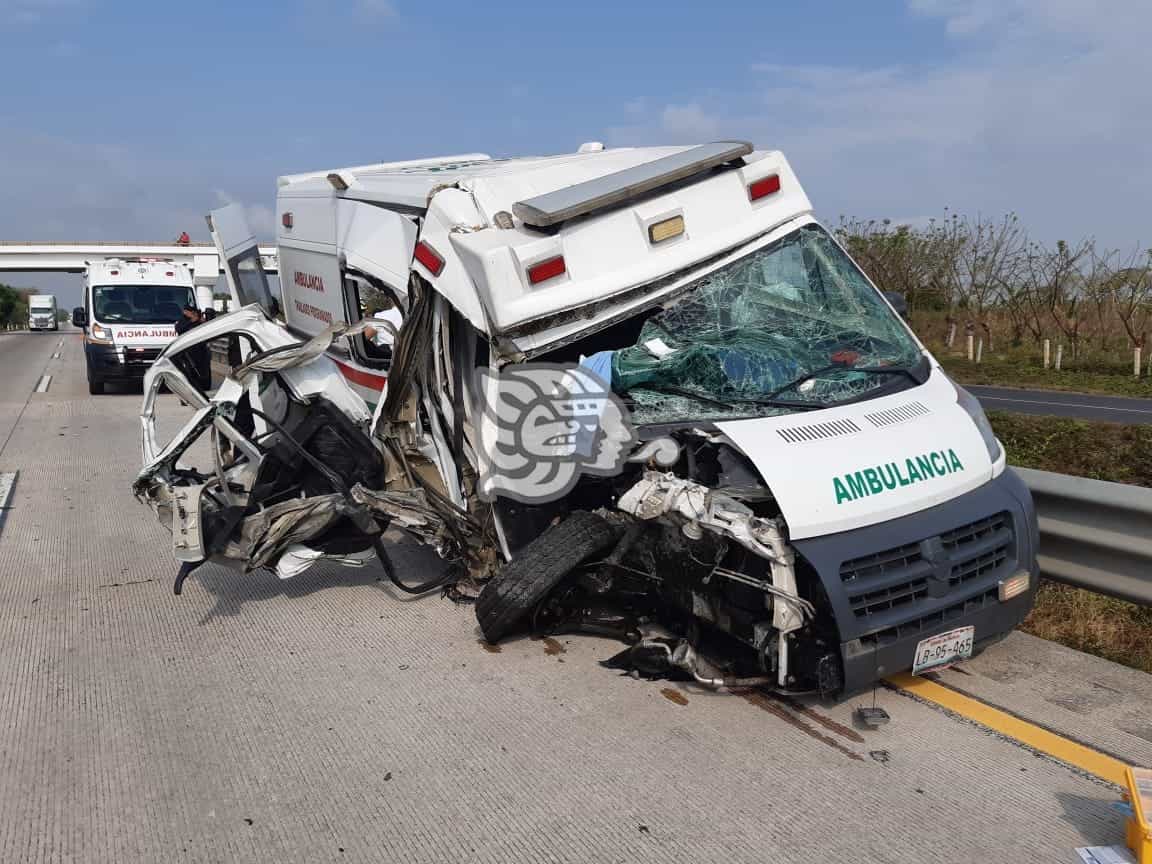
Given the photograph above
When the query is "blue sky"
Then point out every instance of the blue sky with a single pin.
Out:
(129, 120)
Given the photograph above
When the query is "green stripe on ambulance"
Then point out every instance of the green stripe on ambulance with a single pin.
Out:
(893, 475)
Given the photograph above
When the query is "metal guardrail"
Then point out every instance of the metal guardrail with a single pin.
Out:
(1093, 534)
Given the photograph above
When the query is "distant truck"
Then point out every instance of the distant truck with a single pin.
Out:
(130, 310)
(42, 312)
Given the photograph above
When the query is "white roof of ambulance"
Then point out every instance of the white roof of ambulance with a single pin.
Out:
(497, 183)
(603, 258)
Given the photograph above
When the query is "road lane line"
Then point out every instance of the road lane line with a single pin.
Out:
(1057, 746)
(1063, 404)
(45, 380)
(7, 487)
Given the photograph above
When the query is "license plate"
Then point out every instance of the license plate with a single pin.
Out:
(942, 650)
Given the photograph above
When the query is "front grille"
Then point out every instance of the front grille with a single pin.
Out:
(890, 588)
(141, 356)
(932, 621)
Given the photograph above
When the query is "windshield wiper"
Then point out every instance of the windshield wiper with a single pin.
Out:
(870, 370)
(731, 405)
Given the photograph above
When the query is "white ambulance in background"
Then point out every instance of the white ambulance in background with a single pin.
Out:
(131, 306)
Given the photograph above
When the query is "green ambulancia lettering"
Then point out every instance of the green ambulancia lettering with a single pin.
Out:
(888, 477)
(914, 475)
(901, 479)
(883, 478)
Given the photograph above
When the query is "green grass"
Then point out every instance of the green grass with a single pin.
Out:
(1088, 622)
(1104, 451)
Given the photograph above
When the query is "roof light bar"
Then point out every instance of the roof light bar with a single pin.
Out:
(599, 193)
(764, 187)
(550, 268)
(432, 260)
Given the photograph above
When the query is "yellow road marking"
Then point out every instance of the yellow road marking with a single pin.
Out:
(1085, 758)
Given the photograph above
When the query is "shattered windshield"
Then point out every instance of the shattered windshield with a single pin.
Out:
(792, 325)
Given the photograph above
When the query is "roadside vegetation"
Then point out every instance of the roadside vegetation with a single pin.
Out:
(1093, 623)
(992, 303)
(13, 307)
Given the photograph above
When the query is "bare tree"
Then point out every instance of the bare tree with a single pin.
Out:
(1052, 288)
(987, 264)
(1132, 291)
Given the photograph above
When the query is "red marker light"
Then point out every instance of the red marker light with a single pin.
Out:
(169, 273)
(762, 188)
(114, 272)
(545, 270)
(429, 257)
(286, 220)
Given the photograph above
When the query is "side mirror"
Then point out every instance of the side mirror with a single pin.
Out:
(898, 301)
(79, 317)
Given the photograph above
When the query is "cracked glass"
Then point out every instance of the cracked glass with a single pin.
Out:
(794, 322)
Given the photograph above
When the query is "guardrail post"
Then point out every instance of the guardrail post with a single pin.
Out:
(1059, 356)
(1047, 353)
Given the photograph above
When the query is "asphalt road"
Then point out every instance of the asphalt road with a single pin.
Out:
(326, 718)
(1058, 403)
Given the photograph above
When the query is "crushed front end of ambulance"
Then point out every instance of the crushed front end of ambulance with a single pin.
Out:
(660, 404)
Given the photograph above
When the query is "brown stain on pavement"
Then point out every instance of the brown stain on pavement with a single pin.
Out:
(767, 703)
(674, 696)
(489, 647)
(827, 722)
(552, 647)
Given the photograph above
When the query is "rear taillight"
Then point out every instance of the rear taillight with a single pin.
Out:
(430, 258)
(762, 188)
(545, 270)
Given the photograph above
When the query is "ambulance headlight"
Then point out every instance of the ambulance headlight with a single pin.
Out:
(972, 407)
(100, 335)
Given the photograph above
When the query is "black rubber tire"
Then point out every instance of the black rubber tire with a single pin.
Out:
(95, 388)
(508, 600)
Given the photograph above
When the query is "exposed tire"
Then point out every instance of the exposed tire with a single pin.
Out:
(510, 597)
(96, 388)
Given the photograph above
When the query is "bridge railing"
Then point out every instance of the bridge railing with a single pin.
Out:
(1093, 534)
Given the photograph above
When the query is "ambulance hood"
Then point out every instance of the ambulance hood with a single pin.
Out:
(868, 462)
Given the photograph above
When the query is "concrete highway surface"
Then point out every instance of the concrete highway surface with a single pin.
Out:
(1059, 403)
(328, 718)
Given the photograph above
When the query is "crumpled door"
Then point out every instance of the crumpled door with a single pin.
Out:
(262, 468)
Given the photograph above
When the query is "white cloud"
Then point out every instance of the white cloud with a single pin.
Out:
(688, 122)
(261, 218)
(1042, 108)
(33, 11)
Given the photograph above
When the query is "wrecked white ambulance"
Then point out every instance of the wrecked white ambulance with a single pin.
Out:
(634, 392)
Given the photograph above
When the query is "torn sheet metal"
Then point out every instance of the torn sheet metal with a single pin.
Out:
(265, 535)
(657, 494)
